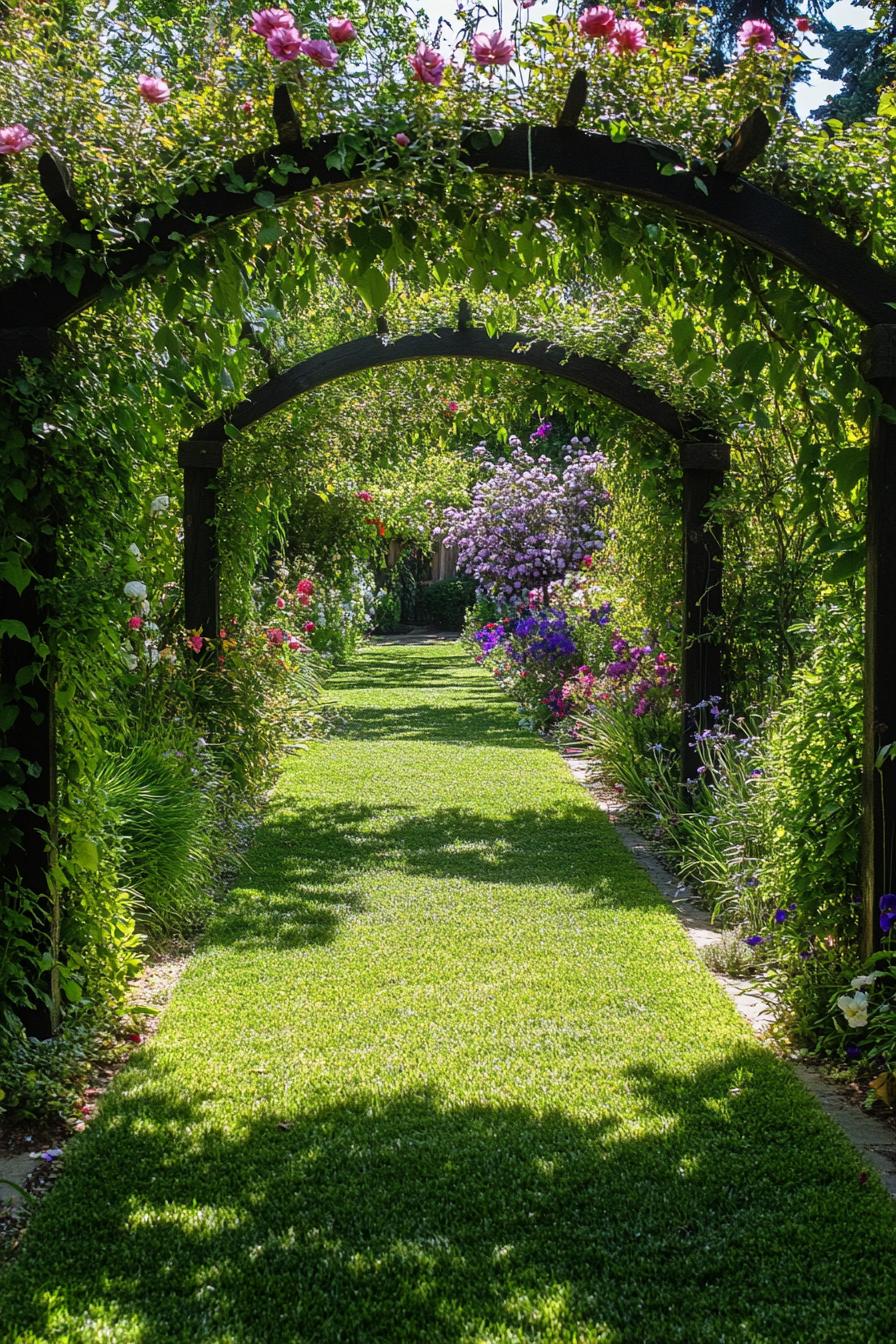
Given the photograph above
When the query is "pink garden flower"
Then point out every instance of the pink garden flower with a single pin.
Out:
(280, 603)
(293, 643)
(265, 22)
(628, 39)
(308, 627)
(599, 21)
(195, 642)
(364, 495)
(402, 139)
(341, 30)
(276, 636)
(428, 66)
(285, 44)
(15, 138)
(135, 622)
(491, 49)
(247, 106)
(755, 35)
(321, 52)
(153, 90)
(304, 586)
(803, 24)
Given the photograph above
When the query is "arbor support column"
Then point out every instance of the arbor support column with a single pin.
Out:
(27, 703)
(201, 461)
(877, 876)
(703, 470)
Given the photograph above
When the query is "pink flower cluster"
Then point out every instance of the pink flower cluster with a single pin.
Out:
(755, 35)
(286, 43)
(624, 37)
(152, 89)
(15, 138)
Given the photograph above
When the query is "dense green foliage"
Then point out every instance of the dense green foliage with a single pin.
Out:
(447, 1068)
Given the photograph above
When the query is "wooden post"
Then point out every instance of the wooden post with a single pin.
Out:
(201, 460)
(879, 779)
(32, 733)
(703, 469)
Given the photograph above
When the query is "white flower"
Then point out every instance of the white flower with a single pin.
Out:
(152, 652)
(135, 590)
(159, 504)
(134, 550)
(854, 1008)
(144, 607)
(863, 981)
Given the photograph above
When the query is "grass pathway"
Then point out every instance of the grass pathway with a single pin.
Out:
(446, 1069)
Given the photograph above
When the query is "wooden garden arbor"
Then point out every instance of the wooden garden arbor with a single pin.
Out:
(703, 459)
(35, 307)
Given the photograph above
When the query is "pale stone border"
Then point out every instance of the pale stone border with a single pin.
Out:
(870, 1135)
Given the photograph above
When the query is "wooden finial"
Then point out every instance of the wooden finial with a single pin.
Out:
(575, 100)
(464, 315)
(289, 132)
(382, 326)
(56, 181)
(745, 145)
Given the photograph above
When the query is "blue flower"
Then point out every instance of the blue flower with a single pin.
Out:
(754, 940)
(781, 915)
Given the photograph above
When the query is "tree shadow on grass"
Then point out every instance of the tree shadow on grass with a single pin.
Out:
(724, 1208)
(311, 867)
(461, 725)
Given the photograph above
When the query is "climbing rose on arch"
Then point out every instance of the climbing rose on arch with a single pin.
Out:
(15, 138)
(755, 35)
(341, 30)
(321, 52)
(599, 21)
(490, 49)
(629, 37)
(153, 90)
(285, 44)
(267, 21)
(428, 66)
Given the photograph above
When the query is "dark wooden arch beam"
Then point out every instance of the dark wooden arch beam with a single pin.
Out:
(703, 461)
(726, 203)
(373, 352)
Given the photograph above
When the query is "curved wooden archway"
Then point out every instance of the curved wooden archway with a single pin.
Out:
(704, 461)
(33, 308)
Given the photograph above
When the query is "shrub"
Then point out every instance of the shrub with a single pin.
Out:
(445, 602)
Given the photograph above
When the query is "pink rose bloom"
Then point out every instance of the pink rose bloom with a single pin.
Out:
(280, 604)
(428, 66)
(135, 622)
(755, 35)
(265, 22)
(304, 600)
(305, 586)
(452, 407)
(490, 49)
(341, 30)
(285, 44)
(587, 561)
(404, 141)
(247, 106)
(15, 138)
(308, 627)
(293, 643)
(599, 21)
(153, 90)
(196, 642)
(803, 24)
(629, 37)
(321, 52)
(276, 636)
(364, 495)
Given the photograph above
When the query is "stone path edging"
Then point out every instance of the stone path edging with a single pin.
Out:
(872, 1136)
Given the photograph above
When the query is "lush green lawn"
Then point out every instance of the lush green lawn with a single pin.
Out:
(446, 1069)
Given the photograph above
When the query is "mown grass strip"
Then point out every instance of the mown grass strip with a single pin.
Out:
(446, 1069)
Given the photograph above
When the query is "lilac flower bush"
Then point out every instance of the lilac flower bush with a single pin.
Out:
(528, 522)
